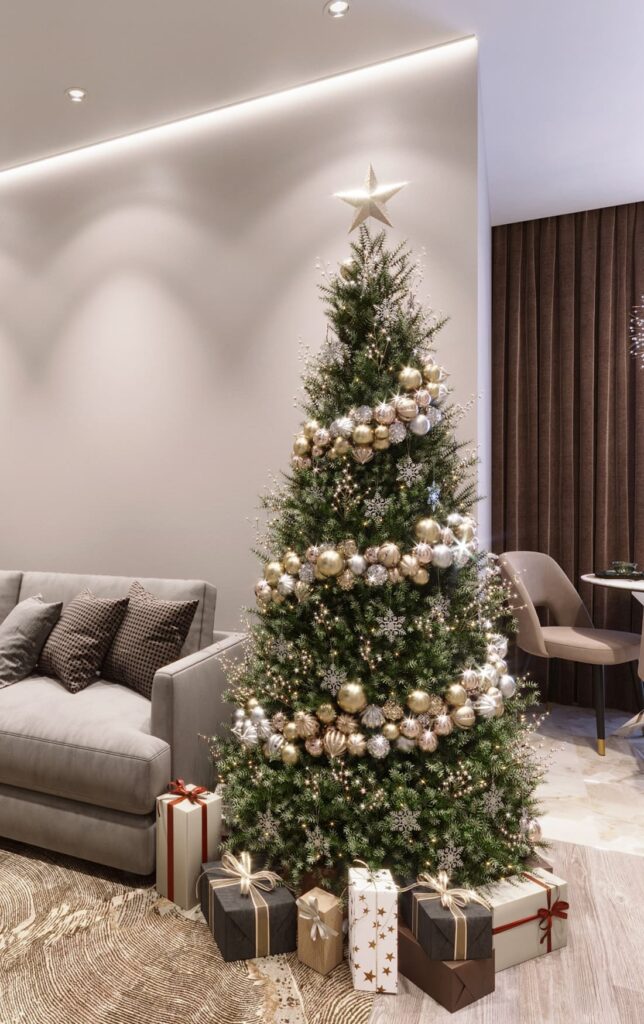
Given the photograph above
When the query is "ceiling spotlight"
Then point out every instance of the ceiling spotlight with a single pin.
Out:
(75, 94)
(337, 8)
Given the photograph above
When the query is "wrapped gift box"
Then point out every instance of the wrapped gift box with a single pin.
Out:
(246, 925)
(188, 833)
(448, 923)
(529, 916)
(319, 930)
(452, 983)
(373, 930)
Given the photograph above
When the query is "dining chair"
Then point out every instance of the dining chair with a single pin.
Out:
(537, 581)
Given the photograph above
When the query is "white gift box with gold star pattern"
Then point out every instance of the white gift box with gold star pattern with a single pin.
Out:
(373, 930)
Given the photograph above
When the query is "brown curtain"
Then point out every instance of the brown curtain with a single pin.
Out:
(568, 409)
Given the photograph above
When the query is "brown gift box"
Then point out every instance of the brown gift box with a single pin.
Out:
(319, 953)
(452, 983)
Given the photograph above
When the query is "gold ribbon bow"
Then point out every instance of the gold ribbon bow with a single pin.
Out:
(453, 900)
(309, 910)
(250, 882)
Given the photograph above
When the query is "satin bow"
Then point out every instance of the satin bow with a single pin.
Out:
(309, 910)
(240, 869)
(450, 898)
(558, 909)
(178, 788)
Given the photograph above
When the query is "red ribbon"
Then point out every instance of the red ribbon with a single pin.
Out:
(178, 789)
(545, 915)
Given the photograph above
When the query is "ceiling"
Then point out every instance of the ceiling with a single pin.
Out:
(562, 101)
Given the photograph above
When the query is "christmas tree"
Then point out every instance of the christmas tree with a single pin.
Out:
(376, 718)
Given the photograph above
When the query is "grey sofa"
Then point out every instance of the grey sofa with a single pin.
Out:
(80, 773)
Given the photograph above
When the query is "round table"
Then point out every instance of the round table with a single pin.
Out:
(636, 587)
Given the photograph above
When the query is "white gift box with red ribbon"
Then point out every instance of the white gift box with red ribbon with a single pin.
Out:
(529, 916)
(189, 823)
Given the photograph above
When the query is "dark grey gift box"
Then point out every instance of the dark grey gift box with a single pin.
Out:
(231, 917)
(436, 926)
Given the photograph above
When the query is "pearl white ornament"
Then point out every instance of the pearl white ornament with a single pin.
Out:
(357, 564)
(286, 584)
(442, 556)
(239, 715)
(257, 714)
(485, 707)
(470, 679)
(507, 686)
(487, 675)
(420, 425)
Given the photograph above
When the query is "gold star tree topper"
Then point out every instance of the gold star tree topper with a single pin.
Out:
(370, 201)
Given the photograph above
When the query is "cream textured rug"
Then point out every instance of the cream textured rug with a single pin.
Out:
(85, 945)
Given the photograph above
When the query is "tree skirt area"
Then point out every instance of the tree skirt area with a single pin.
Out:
(84, 944)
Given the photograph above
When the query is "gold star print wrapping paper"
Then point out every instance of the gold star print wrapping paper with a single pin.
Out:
(373, 930)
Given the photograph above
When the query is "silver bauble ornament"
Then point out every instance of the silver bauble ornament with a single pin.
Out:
(372, 717)
(428, 741)
(500, 644)
(239, 715)
(487, 676)
(443, 725)
(470, 679)
(485, 707)
(357, 564)
(423, 398)
(442, 556)
(307, 573)
(404, 744)
(286, 584)
(397, 432)
(378, 746)
(376, 576)
(264, 729)
(363, 414)
(248, 735)
(495, 694)
(454, 519)
(507, 686)
(257, 714)
(420, 425)
(344, 426)
(263, 591)
(273, 745)
(533, 831)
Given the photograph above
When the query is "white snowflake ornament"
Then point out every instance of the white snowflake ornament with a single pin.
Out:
(391, 626)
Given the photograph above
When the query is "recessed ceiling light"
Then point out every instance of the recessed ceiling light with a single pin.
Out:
(75, 94)
(337, 8)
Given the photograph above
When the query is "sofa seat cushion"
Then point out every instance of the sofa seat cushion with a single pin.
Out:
(94, 746)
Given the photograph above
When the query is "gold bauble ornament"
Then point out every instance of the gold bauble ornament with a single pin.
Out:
(341, 446)
(330, 563)
(314, 746)
(278, 598)
(290, 753)
(432, 373)
(362, 434)
(421, 577)
(464, 717)
(348, 268)
(456, 695)
(434, 390)
(392, 710)
(306, 724)
(335, 742)
(410, 727)
(381, 433)
(351, 697)
(251, 703)
(389, 555)
(300, 445)
(302, 590)
(346, 724)
(292, 563)
(290, 731)
(465, 532)
(346, 580)
(394, 575)
(410, 379)
(427, 530)
(356, 744)
(381, 445)
(418, 701)
(272, 572)
(406, 409)
(326, 713)
(309, 428)
(390, 731)
(409, 565)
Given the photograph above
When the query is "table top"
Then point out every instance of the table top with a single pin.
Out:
(618, 584)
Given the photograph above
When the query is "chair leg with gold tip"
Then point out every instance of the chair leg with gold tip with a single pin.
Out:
(599, 697)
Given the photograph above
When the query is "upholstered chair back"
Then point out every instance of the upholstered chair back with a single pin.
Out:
(538, 582)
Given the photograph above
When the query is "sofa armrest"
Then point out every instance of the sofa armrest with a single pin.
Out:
(187, 701)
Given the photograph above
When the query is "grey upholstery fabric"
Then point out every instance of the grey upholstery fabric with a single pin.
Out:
(58, 586)
(187, 702)
(22, 635)
(9, 591)
(94, 746)
(124, 841)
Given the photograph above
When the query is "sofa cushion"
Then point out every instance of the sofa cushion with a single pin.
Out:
(151, 636)
(63, 586)
(76, 647)
(94, 746)
(22, 635)
(9, 590)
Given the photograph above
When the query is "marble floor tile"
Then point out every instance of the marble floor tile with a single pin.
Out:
(587, 799)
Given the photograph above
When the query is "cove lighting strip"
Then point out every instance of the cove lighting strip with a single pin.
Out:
(210, 118)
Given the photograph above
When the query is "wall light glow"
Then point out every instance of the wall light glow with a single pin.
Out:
(224, 115)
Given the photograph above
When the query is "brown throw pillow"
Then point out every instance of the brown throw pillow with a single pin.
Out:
(78, 643)
(151, 636)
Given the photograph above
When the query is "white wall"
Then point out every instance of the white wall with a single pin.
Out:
(484, 340)
(152, 292)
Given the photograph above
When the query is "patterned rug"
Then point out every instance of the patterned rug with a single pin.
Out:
(81, 944)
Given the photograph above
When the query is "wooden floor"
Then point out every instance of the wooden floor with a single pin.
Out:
(597, 979)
